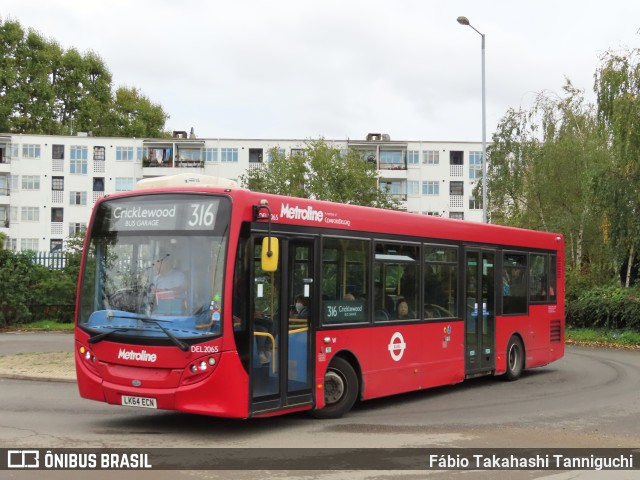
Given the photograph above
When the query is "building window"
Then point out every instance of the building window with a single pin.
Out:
(14, 183)
(430, 187)
(57, 152)
(456, 188)
(394, 187)
(301, 151)
(255, 155)
(76, 228)
(475, 165)
(4, 217)
(31, 182)
(475, 204)
(31, 150)
(29, 244)
(189, 154)
(98, 184)
(77, 198)
(98, 153)
(12, 150)
(431, 157)
(456, 157)
(57, 214)
(210, 155)
(124, 184)
(124, 154)
(391, 157)
(413, 157)
(139, 153)
(280, 153)
(57, 184)
(78, 160)
(229, 154)
(30, 214)
(456, 215)
(413, 187)
(55, 245)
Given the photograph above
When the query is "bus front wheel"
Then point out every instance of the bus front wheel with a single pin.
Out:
(340, 389)
(515, 359)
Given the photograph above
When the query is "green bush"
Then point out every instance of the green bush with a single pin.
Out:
(28, 289)
(611, 308)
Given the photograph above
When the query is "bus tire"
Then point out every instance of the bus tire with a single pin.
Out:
(340, 389)
(515, 359)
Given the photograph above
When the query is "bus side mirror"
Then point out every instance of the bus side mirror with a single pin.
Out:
(270, 254)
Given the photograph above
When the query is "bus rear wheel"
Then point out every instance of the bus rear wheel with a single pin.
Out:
(515, 359)
(340, 390)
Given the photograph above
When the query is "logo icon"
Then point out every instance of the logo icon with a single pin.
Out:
(397, 346)
(23, 459)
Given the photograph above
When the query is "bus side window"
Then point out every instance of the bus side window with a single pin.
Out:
(440, 271)
(344, 285)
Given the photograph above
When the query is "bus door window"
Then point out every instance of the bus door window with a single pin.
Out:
(440, 282)
(300, 314)
(396, 280)
(266, 310)
(344, 286)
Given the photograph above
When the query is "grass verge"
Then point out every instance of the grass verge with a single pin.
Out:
(602, 338)
(42, 326)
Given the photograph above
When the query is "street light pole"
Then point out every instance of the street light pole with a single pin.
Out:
(465, 21)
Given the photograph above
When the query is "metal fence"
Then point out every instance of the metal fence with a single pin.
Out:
(50, 260)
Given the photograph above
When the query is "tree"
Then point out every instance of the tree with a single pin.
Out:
(541, 165)
(47, 90)
(134, 115)
(617, 86)
(321, 172)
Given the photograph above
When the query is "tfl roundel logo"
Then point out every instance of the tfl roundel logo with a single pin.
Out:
(397, 346)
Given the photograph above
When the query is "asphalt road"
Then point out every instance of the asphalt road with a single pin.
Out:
(590, 398)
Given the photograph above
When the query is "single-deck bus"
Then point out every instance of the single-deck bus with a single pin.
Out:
(199, 296)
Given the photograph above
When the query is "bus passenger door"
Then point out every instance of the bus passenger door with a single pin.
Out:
(299, 321)
(281, 367)
(480, 315)
(264, 314)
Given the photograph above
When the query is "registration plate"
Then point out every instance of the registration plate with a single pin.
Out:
(143, 402)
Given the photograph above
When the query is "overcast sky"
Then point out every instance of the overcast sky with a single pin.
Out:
(338, 68)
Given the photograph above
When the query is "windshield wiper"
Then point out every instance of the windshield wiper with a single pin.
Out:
(101, 336)
(181, 345)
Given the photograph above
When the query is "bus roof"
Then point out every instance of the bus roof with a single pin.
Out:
(323, 214)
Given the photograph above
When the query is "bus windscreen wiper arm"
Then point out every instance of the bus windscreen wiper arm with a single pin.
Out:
(181, 345)
(101, 336)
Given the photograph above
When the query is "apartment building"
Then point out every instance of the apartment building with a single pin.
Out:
(48, 184)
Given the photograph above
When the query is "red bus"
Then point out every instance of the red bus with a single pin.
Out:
(273, 304)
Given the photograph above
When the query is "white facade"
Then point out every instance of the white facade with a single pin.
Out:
(48, 184)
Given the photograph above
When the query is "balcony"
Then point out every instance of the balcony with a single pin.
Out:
(4, 195)
(188, 163)
(5, 165)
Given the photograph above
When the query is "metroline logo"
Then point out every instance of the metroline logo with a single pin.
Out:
(297, 213)
(142, 356)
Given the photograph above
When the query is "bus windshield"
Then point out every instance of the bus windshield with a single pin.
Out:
(154, 268)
